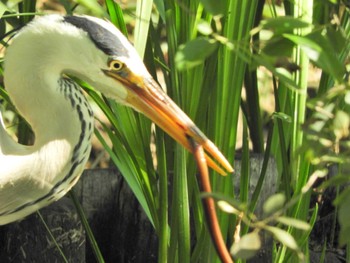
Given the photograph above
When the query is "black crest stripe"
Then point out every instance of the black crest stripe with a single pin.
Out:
(100, 36)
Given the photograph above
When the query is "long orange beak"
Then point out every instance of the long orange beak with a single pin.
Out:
(145, 95)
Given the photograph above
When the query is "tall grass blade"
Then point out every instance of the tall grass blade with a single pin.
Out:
(52, 237)
(96, 250)
(163, 233)
(143, 16)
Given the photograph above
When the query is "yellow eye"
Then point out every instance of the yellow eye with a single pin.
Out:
(116, 65)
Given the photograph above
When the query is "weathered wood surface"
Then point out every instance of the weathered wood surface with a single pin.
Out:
(121, 228)
(269, 188)
(28, 240)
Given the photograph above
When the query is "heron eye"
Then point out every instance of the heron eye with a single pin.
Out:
(116, 65)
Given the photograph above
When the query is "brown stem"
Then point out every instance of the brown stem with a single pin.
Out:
(209, 204)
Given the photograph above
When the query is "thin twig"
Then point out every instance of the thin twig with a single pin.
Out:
(209, 204)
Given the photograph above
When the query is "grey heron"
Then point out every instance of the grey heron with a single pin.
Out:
(37, 64)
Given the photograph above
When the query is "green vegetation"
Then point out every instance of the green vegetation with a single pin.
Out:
(214, 50)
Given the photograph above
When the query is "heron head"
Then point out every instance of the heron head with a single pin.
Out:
(126, 79)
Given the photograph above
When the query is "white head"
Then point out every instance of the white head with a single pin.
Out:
(97, 52)
(82, 46)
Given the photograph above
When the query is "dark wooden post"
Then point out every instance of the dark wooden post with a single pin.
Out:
(119, 224)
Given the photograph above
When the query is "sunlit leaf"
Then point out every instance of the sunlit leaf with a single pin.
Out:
(347, 98)
(274, 203)
(204, 28)
(229, 200)
(247, 246)
(226, 207)
(341, 124)
(215, 7)
(289, 221)
(319, 49)
(278, 46)
(283, 24)
(283, 236)
(194, 52)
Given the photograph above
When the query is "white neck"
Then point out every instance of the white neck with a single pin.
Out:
(62, 123)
